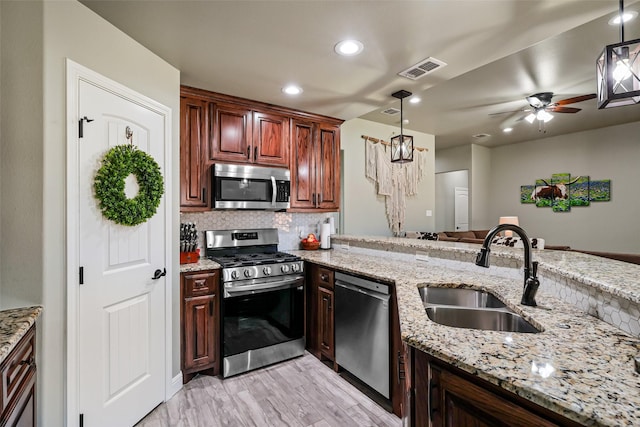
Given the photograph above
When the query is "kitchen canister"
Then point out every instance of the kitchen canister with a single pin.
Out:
(325, 236)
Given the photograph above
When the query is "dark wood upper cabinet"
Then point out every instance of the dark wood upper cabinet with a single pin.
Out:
(226, 129)
(194, 182)
(270, 139)
(315, 166)
(230, 133)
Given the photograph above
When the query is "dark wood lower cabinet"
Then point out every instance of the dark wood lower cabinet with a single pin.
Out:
(446, 396)
(325, 323)
(18, 390)
(200, 321)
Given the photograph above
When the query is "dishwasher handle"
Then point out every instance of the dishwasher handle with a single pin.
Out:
(372, 294)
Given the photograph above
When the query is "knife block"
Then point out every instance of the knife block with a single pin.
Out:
(189, 257)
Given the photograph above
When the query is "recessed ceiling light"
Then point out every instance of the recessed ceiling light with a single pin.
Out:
(626, 16)
(292, 90)
(415, 100)
(507, 130)
(348, 47)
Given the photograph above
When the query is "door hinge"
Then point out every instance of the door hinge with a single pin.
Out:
(82, 275)
(81, 420)
(81, 125)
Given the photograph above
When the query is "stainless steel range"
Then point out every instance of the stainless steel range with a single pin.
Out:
(263, 298)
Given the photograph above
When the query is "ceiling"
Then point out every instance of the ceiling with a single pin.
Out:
(497, 52)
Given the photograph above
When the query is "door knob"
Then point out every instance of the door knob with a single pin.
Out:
(159, 273)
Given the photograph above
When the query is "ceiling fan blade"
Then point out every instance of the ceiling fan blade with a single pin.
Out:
(556, 109)
(575, 99)
(507, 112)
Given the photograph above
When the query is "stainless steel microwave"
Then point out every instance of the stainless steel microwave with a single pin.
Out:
(251, 187)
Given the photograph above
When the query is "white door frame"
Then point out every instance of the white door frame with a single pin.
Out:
(75, 74)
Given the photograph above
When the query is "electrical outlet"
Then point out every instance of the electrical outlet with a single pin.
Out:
(429, 212)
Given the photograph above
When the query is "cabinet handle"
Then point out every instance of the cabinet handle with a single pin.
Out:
(255, 153)
(249, 152)
(204, 195)
(324, 277)
(200, 283)
(314, 199)
(31, 361)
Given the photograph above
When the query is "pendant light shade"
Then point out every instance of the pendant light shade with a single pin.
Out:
(618, 72)
(401, 145)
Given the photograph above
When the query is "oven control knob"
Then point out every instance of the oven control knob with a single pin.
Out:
(295, 268)
(285, 268)
(234, 274)
(266, 271)
(248, 273)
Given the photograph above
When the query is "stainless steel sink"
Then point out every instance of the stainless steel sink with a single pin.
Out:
(472, 318)
(459, 297)
(472, 309)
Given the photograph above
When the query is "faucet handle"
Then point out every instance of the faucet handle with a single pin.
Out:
(534, 269)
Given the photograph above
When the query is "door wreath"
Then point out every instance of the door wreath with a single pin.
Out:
(120, 162)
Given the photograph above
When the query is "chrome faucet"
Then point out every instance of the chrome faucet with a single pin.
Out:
(531, 282)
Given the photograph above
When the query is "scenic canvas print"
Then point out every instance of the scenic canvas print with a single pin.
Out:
(579, 192)
(560, 180)
(525, 193)
(562, 191)
(600, 191)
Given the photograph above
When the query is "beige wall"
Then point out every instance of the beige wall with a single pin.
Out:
(34, 133)
(363, 210)
(608, 153)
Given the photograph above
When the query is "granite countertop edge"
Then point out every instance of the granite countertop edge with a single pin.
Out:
(14, 324)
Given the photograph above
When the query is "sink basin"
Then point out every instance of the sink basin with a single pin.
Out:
(474, 318)
(470, 298)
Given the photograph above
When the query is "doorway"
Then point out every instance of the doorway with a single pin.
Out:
(446, 182)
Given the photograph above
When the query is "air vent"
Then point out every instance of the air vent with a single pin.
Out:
(422, 68)
(481, 135)
(391, 111)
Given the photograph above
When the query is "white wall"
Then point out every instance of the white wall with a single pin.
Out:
(34, 134)
(608, 153)
(363, 210)
(480, 192)
(446, 183)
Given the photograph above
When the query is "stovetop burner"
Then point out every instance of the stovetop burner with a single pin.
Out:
(240, 260)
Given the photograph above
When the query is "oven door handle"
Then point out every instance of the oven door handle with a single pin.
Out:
(230, 292)
(274, 192)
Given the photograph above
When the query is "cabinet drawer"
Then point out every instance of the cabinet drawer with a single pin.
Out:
(17, 369)
(322, 276)
(197, 284)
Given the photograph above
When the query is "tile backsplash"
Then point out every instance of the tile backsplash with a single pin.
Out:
(291, 226)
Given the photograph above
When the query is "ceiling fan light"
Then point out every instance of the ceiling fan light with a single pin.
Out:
(544, 116)
(530, 118)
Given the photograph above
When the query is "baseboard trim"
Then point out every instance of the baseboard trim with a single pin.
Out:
(175, 386)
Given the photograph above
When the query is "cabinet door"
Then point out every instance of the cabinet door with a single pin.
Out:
(194, 173)
(328, 167)
(325, 298)
(199, 332)
(303, 193)
(270, 139)
(230, 133)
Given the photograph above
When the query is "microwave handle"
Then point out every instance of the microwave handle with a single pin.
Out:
(274, 192)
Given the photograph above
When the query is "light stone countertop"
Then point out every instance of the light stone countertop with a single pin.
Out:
(201, 265)
(14, 324)
(589, 375)
(593, 380)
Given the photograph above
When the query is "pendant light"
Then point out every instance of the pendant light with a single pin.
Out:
(618, 71)
(401, 145)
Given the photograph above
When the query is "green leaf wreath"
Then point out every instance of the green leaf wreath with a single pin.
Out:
(120, 162)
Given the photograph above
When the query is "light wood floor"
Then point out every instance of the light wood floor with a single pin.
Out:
(299, 392)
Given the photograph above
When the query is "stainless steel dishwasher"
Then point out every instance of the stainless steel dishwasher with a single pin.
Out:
(362, 330)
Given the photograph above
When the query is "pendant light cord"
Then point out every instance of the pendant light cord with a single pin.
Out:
(621, 11)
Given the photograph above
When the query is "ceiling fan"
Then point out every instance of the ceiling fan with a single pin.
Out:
(541, 107)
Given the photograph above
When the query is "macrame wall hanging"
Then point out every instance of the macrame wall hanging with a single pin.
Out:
(394, 181)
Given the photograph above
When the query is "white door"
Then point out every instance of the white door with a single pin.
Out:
(461, 209)
(121, 339)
